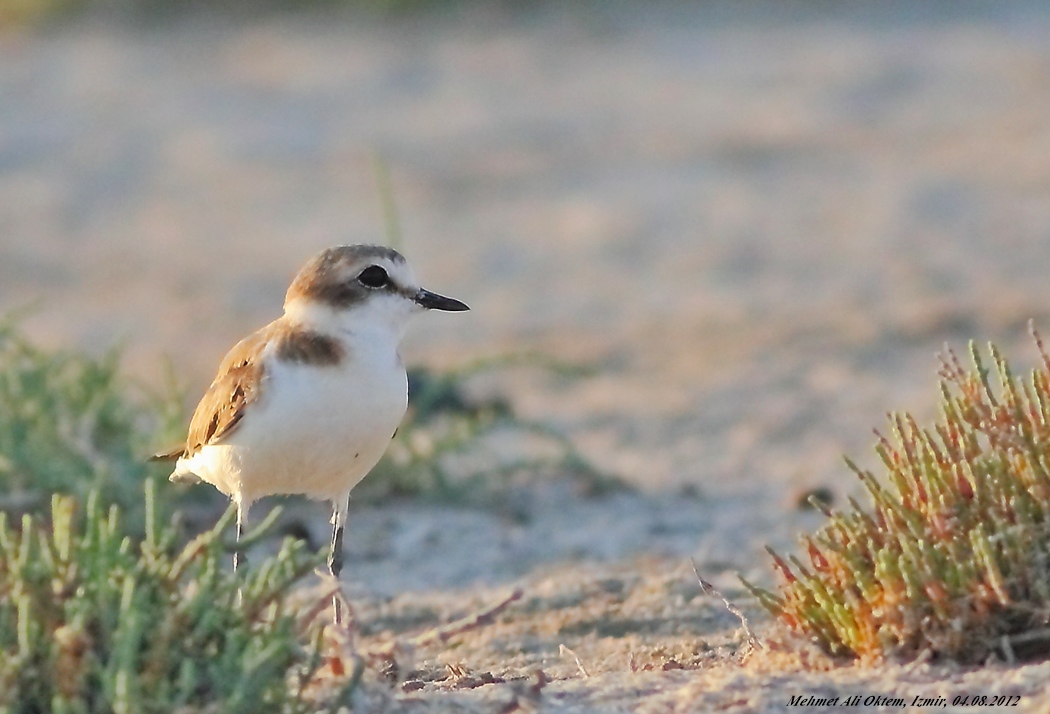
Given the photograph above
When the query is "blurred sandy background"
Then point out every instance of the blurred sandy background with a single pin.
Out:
(759, 220)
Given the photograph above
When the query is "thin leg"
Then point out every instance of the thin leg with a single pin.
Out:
(335, 554)
(242, 516)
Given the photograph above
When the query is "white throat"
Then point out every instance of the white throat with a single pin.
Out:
(381, 320)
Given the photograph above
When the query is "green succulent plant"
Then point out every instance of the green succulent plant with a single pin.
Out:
(94, 621)
(71, 423)
(952, 556)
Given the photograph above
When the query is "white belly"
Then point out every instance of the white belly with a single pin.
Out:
(315, 430)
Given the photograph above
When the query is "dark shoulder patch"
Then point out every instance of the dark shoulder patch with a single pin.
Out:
(308, 347)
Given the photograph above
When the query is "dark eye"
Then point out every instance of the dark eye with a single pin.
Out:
(373, 277)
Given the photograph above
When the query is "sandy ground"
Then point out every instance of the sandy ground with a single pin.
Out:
(759, 220)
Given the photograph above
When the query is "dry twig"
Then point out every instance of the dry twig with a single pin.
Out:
(709, 589)
(466, 624)
(563, 650)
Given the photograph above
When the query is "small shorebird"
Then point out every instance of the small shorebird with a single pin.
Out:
(309, 403)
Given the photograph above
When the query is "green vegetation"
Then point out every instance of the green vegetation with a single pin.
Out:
(448, 447)
(953, 558)
(94, 621)
(70, 423)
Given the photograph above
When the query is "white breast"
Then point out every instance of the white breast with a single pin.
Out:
(316, 430)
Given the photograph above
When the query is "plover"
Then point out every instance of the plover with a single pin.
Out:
(309, 403)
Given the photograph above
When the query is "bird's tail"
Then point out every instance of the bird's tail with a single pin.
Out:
(179, 475)
(170, 455)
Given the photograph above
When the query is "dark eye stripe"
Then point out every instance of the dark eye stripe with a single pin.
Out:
(373, 277)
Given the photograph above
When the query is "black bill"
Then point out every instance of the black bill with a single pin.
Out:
(433, 301)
